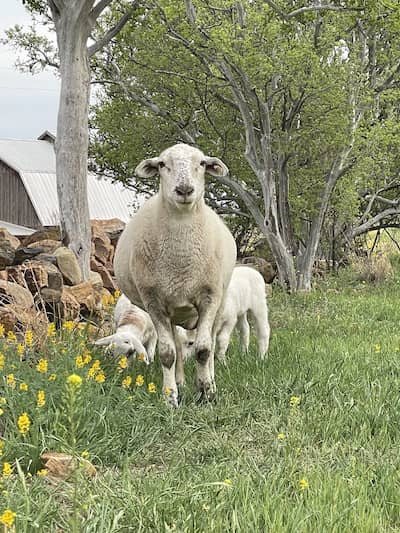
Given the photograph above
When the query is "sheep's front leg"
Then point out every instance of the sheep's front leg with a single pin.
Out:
(179, 370)
(204, 350)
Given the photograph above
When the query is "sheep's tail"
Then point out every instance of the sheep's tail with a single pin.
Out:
(140, 349)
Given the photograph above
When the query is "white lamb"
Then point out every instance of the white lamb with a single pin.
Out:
(246, 293)
(135, 331)
(175, 259)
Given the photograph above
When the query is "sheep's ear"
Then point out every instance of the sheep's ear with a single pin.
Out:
(105, 341)
(216, 167)
(147, 168)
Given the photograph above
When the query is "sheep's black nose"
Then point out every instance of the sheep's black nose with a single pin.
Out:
(184, 190)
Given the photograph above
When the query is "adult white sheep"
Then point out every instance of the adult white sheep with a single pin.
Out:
(175, 259)
(246, 293)
(135, 331)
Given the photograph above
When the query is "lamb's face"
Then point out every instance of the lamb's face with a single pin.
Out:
(182, 169)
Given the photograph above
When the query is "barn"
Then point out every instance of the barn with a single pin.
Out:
(28, 189)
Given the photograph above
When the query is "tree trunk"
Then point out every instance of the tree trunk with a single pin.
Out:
(73, 139)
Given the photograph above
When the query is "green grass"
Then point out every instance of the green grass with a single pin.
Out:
(337, 349)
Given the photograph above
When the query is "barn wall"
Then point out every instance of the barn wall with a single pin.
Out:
(15, 205)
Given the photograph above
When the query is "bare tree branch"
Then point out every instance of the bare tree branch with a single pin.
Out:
(98, 9)
(98, 45)
(306, 9)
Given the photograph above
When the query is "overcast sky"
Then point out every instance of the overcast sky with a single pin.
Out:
(28, 104)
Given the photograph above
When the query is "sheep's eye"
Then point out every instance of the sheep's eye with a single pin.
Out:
(190, 343)
(161, 164)
(203, 163)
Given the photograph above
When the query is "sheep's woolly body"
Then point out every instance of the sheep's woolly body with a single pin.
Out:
(175, 259)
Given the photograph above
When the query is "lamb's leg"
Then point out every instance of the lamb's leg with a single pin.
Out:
(223, 339)
(179, 370)
(244, 332)
(151, 347)
(262, 328)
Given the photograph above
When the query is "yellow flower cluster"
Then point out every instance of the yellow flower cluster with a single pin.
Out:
(52, 377)
(2, 361)
(7, 470)
(2, 330)
(1, 447)
(42, 472)
(20, 349)
(41, 399)
(7, 517)
(127, 382)
(69, 325)
(51, 329)
(28, 337)
(42, 366)
(10, 380)
(74, 380)
(294, 401)
(11, 337)
(303, 484)
(23, 387)
(123, 362)
(95, 372)
(139, 380)
(24, 423)
(151, 388)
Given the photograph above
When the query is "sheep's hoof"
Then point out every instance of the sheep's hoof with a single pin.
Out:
(207, 392)
(171, 398)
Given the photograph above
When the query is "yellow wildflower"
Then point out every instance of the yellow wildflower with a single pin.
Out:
(303, 484)
(1, 447)
(106, 300)
(42, 366)
(126, 383)
(23, 387)
(141, 357)
(2, 359)
(52, 377)
(377, 348)
(24, 423)
(74, 380)
(94, 369)
(29, 337)
(11, 337)
(151, 388)
(139, 380)
(87, 357)
(10, 380)
(79, 362)
(20, 349)
(42, 472)
(3, 400)
(51, 329)
(8, 517)
(100, 377)
(123, 362)
(281, 436)
(117, 294)
(85, 454)
(2, 329)
(7, 470)
(227, 482)
(69, 325)
(1, 411)
(41, 398)
(294, 401)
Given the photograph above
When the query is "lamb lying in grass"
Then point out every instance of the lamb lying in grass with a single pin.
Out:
(134, 331)
(246, 293)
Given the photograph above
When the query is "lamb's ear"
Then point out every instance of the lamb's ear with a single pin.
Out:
(216, 167)
(147, 168)
(105, 341)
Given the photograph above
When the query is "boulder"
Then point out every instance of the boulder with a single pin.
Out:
(7, 253)
(266, 269)
(3, 275)
(68, 265)
(48, 246)
(113, 227)
(7, 236)
(96, 281)
(64, 308)
(18, 319)
(24, 253)
(15, 274)
(105, 274)
(103, 249)
(12, 293)
(43, 234)
(88, 297)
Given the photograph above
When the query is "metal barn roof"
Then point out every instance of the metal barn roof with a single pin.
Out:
(15, 229)
(35, 162)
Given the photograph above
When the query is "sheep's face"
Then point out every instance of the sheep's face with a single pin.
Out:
(118, 344)
(182, 169)
(187, 339)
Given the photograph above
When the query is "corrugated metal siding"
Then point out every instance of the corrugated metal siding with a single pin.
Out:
(106, 200)
(15, 204)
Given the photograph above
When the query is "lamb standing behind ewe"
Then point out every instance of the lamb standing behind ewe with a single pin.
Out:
(246, 293)
(134, 331)
(175, 260)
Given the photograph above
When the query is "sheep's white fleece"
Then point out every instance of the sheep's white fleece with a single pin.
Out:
(135, 331)
(175, 259)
